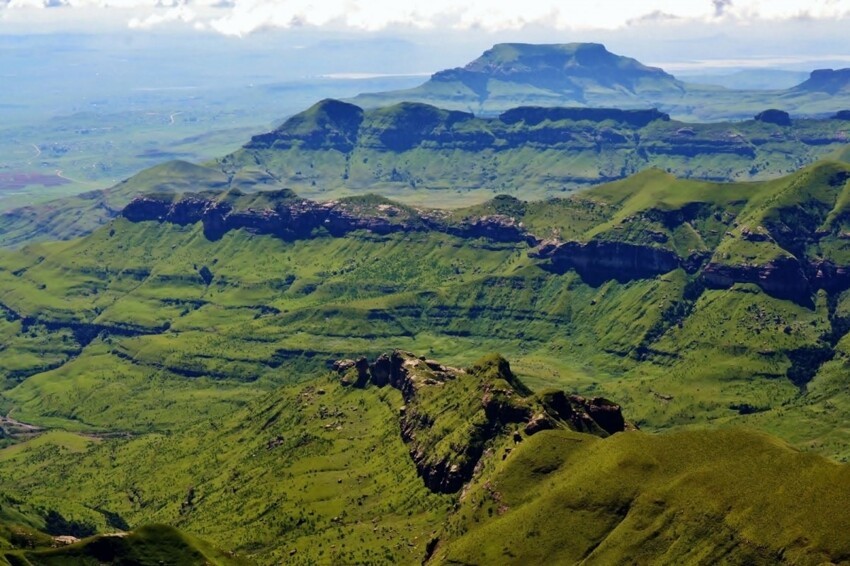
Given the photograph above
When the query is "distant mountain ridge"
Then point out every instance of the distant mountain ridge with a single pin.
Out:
(420, 153)
(827, 81)
(587, 74)
(569, 68)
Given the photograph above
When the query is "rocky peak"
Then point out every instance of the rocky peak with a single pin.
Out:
(441, 403)
(328, 124)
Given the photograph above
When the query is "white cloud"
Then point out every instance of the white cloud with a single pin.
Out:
(179, 13)
(240, 17)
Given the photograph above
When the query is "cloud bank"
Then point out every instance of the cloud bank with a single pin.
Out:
(242, 17)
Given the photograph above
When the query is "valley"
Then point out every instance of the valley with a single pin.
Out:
(400, 332)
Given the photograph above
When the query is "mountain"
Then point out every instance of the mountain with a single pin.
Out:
(751, 79)
(419, 153)
(826, 81)
(588, 75)
(153, 544)
(228, 294)
(254, 349)
(351, 469)
(513, 74)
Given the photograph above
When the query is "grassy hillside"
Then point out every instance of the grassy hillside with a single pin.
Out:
(153, 544)
(420, 154)
(679, 498)
(319, 473)
(98, 328)
(158, 347)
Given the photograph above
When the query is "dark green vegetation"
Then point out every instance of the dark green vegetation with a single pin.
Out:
(318, 473)
(178, 360)
(587, 74)
(420, 154)
(149, 545)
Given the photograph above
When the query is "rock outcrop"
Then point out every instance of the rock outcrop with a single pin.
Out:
(774, 116)
(599, 259)
(450, 415)
(534, 115)
(783, 278)
(287, 217)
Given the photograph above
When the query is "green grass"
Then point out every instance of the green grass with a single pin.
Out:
(142, 371)
(451, 161)
(691, 497)
(151, 544)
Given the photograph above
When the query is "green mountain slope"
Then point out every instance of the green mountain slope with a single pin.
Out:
(690, 301)
(684, 498)
(588, 75)
(421, 154)
(326, 472)
(153, 544)
(179, 363)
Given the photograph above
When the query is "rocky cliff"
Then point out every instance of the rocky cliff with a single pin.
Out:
(281, 214)
(452, 416)
(789, 246)
(332, 125)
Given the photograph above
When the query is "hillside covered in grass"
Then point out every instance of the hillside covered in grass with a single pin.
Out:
(690, 301)
(420, 154)
(217, 354)
(330, 471)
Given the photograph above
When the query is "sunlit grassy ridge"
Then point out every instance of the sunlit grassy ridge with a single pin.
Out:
(127, 313)
(682, 498)
(185, 380)
(421, 154)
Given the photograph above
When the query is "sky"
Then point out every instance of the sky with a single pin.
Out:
(682, 35)
(242, 17)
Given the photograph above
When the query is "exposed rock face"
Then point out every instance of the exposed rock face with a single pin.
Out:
(291, 218)
(583, 414)
(533, 115)
(608, 260)
(774, 116)
(825, 274)
(783, 278)
(283, 215)
(439, 399)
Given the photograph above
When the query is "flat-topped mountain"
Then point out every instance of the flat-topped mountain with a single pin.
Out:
(536, 151)
(826, 81)
(509, 74)
(571, 68)
(587, 74)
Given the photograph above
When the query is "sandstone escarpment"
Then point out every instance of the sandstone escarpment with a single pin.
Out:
(608, 259)
(783, 277)
(285, 216)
